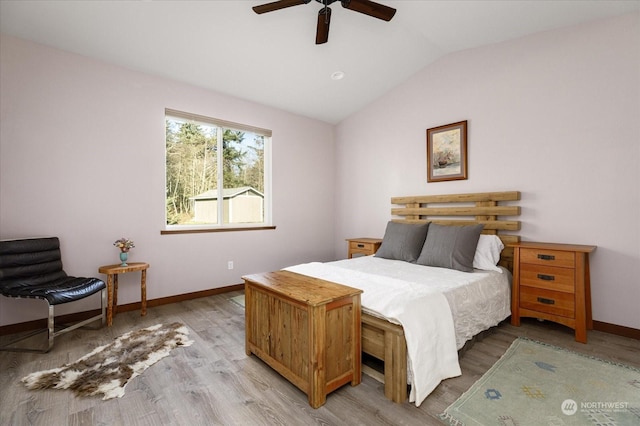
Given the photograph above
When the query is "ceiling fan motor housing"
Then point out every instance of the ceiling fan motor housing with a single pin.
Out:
(366, 7)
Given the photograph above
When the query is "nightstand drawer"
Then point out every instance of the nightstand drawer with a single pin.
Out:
(551, 302)
(359, 246)
(548, 277)
(565, 259)
(365, 246)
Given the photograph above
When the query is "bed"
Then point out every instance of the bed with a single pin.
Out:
(385, 339)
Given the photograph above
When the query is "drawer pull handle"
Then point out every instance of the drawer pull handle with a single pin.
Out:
(546, 277)
(546, 301)
(360, 245)
(546, 257)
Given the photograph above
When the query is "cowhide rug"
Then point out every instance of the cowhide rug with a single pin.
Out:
(108, 369)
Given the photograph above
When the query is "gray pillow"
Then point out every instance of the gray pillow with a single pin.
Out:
(403, 241)
(450, 247)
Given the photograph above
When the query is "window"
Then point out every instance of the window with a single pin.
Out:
(217, 173)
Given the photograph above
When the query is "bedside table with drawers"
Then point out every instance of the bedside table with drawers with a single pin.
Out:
(365, 246)
(551, 281)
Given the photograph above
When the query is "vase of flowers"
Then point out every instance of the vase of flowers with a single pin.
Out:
(124, 244)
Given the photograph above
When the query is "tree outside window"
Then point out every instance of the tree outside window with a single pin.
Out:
(201, 153)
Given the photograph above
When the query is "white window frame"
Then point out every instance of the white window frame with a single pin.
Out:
(267, 202)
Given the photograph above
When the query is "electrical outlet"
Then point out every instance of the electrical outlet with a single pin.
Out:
(230, 264)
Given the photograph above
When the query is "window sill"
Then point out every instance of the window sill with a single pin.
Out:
(207, 230)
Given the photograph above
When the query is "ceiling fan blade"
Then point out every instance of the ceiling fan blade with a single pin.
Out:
(324, 19)
(370, 8)
(277, 5)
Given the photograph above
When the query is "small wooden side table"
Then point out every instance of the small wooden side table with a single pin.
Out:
(112, 272)
(365, 246)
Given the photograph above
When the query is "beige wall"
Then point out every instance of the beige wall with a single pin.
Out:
(555, 115)
(82, 157)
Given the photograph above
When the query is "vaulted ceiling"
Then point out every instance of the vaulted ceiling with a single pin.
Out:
(272, 58)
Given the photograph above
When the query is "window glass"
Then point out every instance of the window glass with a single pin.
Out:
(215, 173)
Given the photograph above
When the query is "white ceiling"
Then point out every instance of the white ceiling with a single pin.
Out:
(272, 58)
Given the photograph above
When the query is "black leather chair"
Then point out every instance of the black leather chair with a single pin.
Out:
(32, 268)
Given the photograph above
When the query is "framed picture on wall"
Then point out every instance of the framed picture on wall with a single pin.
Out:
(447, 152)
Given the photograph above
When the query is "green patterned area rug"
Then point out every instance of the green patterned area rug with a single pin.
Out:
(539, 384)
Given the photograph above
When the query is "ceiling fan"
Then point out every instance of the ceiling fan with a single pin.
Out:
(367, 7)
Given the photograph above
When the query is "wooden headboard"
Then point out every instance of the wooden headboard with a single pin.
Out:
(465, 209)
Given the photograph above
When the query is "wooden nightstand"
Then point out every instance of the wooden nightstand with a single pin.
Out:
(366, 246)
(551, 281)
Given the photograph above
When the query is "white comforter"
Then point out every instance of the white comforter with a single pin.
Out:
(413, 296)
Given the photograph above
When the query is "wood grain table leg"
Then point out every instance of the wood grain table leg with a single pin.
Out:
(109, 300)
(115, 294)
(143, 293)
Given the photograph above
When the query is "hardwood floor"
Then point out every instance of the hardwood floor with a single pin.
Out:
(213, 382)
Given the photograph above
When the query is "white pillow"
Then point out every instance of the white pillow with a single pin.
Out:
(488, 253)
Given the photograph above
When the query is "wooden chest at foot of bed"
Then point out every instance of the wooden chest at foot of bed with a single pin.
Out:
(306, 329)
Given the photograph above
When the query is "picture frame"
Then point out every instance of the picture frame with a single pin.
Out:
(447, 152)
